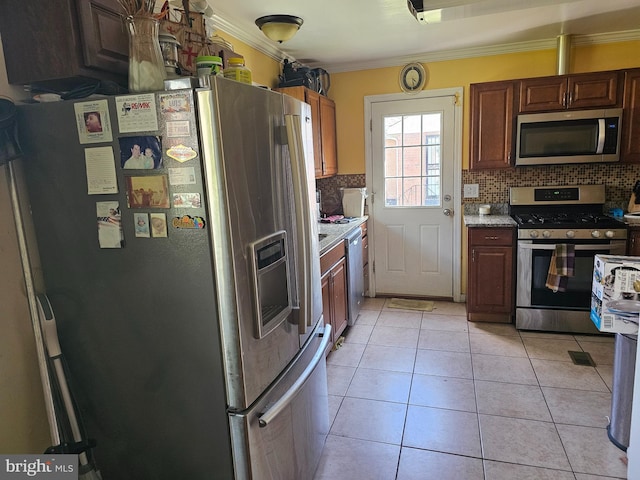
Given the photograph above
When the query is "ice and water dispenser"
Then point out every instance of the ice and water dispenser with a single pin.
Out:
(272, 289)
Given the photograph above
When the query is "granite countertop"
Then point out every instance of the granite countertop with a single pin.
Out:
(335, 232)
(489, 221)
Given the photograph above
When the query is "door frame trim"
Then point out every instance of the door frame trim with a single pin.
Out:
(456, 94)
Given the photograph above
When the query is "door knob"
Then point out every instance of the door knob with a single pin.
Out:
(448, 212)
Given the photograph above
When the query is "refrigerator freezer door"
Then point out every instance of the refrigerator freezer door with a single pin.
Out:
(286, 430)
(250, 199)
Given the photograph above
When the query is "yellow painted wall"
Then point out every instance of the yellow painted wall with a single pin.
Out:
(349, 89)
(264, 70)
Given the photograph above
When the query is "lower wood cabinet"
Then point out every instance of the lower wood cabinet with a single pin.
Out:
(333, 268)
(490, 281)
(633, 242)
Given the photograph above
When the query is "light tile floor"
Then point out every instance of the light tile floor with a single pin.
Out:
(428, 395)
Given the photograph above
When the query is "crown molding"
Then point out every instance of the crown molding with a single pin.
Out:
(263, 45)
(443, 55)
(256, 41)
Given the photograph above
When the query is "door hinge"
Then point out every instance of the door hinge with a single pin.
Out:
(456, 99)
(371, 125)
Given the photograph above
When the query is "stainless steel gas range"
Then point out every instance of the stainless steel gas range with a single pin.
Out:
(571, 216)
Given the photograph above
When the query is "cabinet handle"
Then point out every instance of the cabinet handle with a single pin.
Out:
(491, 238)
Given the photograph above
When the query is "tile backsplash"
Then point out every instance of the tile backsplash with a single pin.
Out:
(494, 184)
(330, 188)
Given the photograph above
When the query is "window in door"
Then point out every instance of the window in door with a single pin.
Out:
(412, 164)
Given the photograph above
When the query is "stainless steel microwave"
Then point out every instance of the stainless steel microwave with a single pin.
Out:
(581, 136)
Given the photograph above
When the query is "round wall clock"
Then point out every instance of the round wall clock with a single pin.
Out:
(413, 77)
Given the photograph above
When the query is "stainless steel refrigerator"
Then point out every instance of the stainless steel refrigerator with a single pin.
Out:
(195, 344)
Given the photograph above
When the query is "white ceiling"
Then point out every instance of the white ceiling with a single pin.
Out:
(345, 35)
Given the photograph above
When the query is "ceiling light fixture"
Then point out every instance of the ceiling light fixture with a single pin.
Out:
(279, 28)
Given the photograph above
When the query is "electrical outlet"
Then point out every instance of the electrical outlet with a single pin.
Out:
(471, 190)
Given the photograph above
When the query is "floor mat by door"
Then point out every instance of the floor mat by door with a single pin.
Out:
(406, 304)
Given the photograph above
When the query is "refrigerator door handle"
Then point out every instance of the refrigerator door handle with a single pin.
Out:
(273, 411)
(306, 237)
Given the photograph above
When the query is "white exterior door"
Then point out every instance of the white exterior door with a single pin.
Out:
(415, 154)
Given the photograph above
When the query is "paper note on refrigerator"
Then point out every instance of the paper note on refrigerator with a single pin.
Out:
(101, 170)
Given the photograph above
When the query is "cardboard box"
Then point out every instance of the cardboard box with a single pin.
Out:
(615, 294)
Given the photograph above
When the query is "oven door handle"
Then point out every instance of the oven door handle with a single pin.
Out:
(531, 246)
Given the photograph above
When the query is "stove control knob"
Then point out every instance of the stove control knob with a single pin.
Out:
(609, 234)
(570, 234)
(546, 234)
(533, 234)
(595, 234)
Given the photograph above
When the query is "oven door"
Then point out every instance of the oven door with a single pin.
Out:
(534, 258)
(539, 308)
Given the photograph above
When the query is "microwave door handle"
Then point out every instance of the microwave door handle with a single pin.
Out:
(530, 246)
(601, 131)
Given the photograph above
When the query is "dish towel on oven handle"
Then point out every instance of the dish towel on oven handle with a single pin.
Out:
(561, 267)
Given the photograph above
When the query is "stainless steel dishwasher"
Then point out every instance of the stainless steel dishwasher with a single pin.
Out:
(355, 278)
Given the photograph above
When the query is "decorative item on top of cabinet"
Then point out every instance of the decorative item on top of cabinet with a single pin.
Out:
(365, 257)
(562, 92)
(333, 272)
(490, 281)
(191, 33)
(62, 44)
(630, 143)
(492, 121)
(323, 117)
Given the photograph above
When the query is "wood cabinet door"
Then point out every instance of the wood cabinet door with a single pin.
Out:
(490, 281)
(592, 90)
(104, 45)
(339, 291)
(328, 135)
(588, 90)
(630, 147)
(327, 311)
(313, 99)
(63, 43)
(542, 94)
(492, 125)
(323, 119)
(490, 273)
(633, 243)
(295, 92)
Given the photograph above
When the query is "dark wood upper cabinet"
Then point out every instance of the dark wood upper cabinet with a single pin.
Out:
(630, 142)
(492, 124)
(60, 44)
(586, 90)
